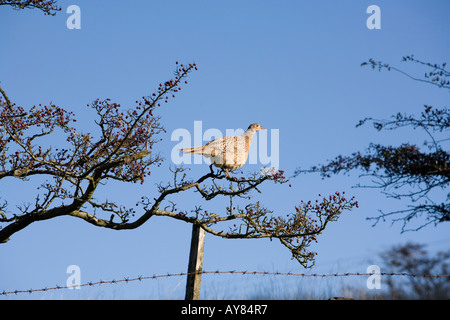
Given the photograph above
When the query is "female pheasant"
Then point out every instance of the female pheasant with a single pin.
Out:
(227, 153)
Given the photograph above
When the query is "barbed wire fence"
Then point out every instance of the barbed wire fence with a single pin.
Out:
(218, 272)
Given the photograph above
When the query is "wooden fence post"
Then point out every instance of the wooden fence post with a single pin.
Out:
(195, 266)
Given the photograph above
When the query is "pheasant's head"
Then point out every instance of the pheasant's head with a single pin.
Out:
(255, 127)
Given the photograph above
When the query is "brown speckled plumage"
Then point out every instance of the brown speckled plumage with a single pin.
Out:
(228, 153)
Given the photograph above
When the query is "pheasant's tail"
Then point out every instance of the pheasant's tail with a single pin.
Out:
(193, 150)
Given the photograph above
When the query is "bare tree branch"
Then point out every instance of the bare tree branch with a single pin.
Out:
(406, 171)
(47, 6)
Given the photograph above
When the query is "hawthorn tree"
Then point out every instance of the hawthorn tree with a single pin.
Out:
(123, 151)
(408, 171)
(413, 258)
(121, 148)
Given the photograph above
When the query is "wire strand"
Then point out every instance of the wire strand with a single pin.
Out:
(140, 278)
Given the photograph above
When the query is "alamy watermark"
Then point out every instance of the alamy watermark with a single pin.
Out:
(74, 20)
(74, 280)
(258, 152)
(374, 20)
(374, 280)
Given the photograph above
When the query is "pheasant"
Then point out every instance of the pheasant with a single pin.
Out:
(227, 153)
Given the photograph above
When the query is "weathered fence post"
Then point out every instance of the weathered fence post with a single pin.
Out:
(195, 266)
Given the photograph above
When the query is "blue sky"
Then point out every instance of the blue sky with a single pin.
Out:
(288, 65)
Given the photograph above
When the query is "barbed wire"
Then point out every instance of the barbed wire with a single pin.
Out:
(140, 278)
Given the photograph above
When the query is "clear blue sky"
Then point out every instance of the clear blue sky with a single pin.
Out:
(288, 65)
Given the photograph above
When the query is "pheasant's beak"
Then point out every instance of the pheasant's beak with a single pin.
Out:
(262, 128)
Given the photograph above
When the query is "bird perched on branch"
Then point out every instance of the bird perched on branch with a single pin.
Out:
(227, 153)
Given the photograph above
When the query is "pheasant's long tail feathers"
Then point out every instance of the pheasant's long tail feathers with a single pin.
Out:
(192, 150)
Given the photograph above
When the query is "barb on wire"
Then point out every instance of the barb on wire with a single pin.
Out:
(140, 278)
